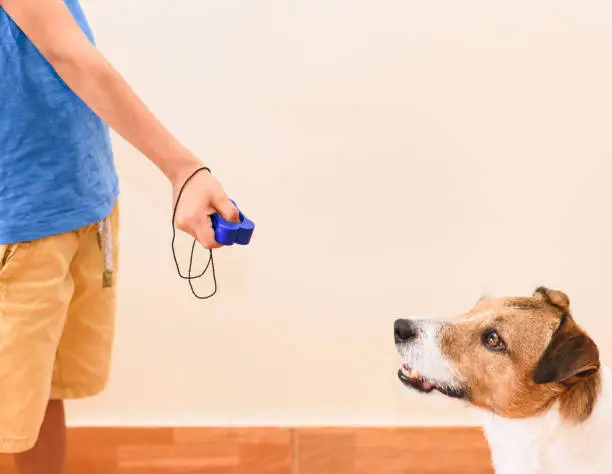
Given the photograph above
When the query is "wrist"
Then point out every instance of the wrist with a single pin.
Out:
(181, 168)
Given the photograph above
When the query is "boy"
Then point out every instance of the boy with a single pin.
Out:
(58, 217)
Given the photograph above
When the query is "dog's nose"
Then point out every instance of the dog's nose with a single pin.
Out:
(404, 330)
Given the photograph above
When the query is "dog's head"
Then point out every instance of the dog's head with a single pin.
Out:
(512, 356)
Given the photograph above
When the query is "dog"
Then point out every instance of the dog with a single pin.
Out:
(531, 372)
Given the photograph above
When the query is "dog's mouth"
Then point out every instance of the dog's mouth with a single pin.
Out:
(413, 379)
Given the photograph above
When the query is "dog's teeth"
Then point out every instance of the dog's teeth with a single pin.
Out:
(410, 373)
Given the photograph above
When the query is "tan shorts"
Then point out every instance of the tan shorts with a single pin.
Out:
(56, 327)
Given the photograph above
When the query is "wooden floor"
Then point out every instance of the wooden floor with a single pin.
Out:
(275, 451)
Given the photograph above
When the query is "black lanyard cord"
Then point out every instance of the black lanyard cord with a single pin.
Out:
(211, 262)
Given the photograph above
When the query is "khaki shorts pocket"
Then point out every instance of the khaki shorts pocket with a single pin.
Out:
(12, 256)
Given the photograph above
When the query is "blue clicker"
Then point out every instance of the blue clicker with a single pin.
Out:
(230, 233)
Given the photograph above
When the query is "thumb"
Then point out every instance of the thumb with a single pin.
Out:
(227, 210)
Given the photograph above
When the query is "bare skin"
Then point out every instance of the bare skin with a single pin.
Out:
(48, 456)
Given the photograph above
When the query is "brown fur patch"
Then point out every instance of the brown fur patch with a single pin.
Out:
(570, 353)
(507, 381)
(578, 401)
(553, 297)
(572, 359)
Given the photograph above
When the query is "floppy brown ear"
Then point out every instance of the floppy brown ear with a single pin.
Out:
(554, 297)
(570, 353)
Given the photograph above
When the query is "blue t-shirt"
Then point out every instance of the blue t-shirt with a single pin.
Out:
(56, 164)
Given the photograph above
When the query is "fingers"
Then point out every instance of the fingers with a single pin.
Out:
(200, 229)
(205, 235)
(227, 210)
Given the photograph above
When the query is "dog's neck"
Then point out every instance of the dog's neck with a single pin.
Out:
(549, 444)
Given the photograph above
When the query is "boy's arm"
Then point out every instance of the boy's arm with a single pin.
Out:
(51, 27)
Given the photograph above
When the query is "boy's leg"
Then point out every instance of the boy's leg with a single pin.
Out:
(35, 293)
(72, 346)
(48, 456)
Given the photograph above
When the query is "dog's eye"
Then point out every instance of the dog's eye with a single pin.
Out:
(492, 340)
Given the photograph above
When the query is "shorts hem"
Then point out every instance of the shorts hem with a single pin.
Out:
(16, 445)
(72, 392)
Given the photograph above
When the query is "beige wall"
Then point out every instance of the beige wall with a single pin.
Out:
(398, 158)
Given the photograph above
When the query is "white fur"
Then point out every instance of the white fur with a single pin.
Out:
(424, 355)
(549, 445)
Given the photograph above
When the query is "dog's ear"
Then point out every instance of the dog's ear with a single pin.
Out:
(553, 297)
(570, 355)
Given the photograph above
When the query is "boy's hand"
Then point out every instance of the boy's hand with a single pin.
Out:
(202, 197)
